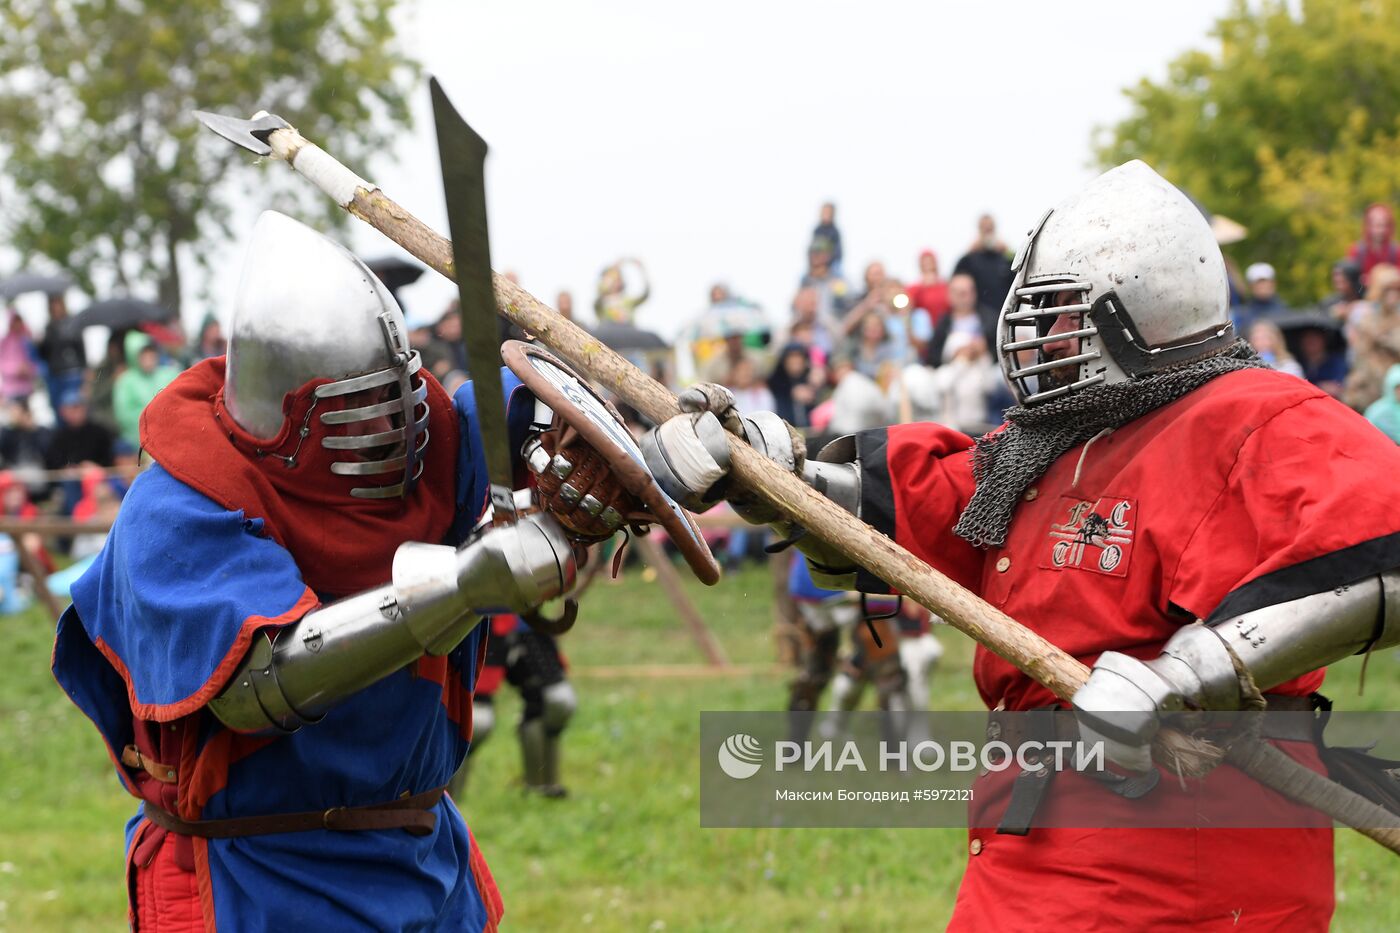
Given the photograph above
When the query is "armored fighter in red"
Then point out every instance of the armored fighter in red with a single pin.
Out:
(1160, 505)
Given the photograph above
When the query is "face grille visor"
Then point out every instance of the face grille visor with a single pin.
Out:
(380, 422)
(1042, 330)
(1041, 340)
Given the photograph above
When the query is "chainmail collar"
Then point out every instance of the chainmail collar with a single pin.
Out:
(1005, 463)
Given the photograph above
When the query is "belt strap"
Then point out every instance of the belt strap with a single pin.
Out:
(133, 758)
(1044, 724)
(413, 814)
(1027, 792)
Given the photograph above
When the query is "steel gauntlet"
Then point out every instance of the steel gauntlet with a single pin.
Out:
(1272, 644)
(437, 596)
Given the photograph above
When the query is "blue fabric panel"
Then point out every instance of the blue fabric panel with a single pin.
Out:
(172, 590)
(473, 487)
(802, 586)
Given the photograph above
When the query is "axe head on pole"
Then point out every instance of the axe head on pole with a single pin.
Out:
(250, 134)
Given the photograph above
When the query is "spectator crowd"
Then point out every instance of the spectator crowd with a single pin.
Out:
(889, 347)
(922, 347)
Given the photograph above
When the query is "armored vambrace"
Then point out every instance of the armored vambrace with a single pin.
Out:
(438, 594)
(835, 473)
(1274, 644)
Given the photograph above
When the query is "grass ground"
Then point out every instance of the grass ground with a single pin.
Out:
(625, 851)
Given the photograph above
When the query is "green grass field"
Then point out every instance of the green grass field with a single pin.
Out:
(625, 851)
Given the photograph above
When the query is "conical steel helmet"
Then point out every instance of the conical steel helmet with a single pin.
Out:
(308, 309)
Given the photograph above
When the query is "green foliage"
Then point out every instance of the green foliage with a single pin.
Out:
(1291, 127)
(108, 173)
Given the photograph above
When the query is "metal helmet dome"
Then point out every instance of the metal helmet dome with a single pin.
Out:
(308, 309)
(1138, 265)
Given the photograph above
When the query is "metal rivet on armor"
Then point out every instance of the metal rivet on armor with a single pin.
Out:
(536, 456)
(1031, 494)
(560, 466)
(170, 774)
(592, 505)
(569, 494)
(1003, 565)
(612, 517)
(975, 846)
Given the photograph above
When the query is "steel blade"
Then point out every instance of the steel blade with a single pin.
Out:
(250, 134)
(463, 156)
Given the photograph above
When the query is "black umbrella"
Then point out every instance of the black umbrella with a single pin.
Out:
(120, 314)
(627, 337)
(25, 282)
(1295, 323)
(395, 273)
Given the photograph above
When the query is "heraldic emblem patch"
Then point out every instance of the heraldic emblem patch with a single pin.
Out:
(1096, 536)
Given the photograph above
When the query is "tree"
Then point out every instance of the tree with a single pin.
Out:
(1292, 127)
(111, 177)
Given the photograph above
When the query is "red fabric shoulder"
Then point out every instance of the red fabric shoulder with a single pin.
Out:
(340, 543)
(915, 481)
(1313, 479)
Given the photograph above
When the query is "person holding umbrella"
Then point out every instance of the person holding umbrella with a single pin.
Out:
(19, 369)
(61, 349)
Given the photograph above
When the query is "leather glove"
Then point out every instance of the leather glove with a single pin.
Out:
(689, 454)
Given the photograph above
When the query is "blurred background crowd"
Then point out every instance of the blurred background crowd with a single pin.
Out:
(908, 340)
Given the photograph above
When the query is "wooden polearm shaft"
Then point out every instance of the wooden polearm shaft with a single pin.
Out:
(1055, 669)
(1061, 673)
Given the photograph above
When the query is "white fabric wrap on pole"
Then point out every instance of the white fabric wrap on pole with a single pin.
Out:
(327, 174)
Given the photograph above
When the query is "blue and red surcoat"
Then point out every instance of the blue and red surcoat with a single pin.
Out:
(158, 625)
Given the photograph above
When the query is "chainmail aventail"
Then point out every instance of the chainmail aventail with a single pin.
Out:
(1004, 464)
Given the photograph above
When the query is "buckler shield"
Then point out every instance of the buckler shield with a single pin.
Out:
(588, 470)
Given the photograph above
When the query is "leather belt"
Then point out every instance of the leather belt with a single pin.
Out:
(1293, 720)
(413, 814)
(1290, 719)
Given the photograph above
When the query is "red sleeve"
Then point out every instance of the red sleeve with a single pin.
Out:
(915, 481)
(1311, 502)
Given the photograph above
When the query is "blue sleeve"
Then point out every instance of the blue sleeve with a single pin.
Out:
(168, 609)
(802, 586)
(921, 325)
(473, 487)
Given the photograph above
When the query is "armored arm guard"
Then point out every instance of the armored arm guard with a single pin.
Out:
(1274, 644)
(437, 596)
(835, 473)
(689, 456)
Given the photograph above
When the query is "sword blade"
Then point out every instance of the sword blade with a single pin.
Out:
(463, 156)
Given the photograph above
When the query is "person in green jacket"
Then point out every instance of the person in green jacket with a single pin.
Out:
(134, 388)
(1384, 412)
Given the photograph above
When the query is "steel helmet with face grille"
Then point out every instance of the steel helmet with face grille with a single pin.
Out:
(1137, 264)
(309, 310)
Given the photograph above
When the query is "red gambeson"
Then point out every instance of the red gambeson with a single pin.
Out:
(1253, 489)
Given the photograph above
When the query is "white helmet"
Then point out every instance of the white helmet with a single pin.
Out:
(1143, 270)
(309, 311)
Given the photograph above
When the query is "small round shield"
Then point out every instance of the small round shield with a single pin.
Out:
(579, 406)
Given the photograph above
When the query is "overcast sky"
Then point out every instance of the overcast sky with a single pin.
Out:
(701, 138)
